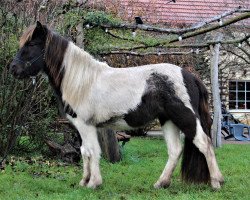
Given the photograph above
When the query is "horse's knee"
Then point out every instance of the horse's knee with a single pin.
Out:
(90, 150)
(85, 151)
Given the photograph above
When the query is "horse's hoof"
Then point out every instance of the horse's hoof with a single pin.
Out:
(94, 183)
(84, 182)
(221, 180)
(215, 184)
(162, 184)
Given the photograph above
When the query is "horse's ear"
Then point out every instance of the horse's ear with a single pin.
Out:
(39, 25)
(40, 30)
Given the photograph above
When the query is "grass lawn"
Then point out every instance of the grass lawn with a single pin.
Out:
(132, 178)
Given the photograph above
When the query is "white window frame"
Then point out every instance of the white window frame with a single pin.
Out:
(237, 101)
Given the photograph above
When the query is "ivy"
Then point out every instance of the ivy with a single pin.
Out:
(100, 18)
(73, 17)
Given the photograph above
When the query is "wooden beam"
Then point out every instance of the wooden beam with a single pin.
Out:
(216, 130)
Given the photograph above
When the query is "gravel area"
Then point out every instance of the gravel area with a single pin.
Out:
(229, 141)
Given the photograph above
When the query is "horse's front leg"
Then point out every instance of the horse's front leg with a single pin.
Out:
(91, 152)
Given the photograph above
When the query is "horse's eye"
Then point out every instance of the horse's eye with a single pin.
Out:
(32, 44)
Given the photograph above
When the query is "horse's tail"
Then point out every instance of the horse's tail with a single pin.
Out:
(194, 166)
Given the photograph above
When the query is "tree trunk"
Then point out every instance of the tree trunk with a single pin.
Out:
(109, 145)
(216, 131)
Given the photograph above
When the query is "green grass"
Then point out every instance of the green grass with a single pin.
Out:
(132, 178)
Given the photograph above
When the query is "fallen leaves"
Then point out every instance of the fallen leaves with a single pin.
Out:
(40, 167)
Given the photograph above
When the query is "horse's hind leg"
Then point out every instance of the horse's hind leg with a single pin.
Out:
(172, 137)
(204, 144)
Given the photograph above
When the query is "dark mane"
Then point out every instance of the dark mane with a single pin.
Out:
(54, 53)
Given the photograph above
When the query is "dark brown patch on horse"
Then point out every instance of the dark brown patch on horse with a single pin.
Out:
(161, 102)
(55, 49)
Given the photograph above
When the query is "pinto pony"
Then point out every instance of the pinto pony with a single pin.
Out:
(96, 95)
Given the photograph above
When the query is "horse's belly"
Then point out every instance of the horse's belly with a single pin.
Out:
(116, 124)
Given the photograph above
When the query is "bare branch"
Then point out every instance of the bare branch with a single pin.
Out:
(176, 31)
(212, 27)
(159, 53)
(247, 42)
(232, 52)
(217, 18)
(122, 38)
(198, 32)
(245, 51)
(201, 45)
(244, 39)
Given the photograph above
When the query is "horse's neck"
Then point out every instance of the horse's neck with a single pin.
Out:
(77, 59)
(80, 73)
(79, 66)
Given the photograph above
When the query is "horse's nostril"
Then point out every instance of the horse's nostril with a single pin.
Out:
(14, 69)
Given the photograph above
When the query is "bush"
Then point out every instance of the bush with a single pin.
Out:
(25, 110)
(28, 112)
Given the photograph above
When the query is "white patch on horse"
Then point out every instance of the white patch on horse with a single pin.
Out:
(80, 73)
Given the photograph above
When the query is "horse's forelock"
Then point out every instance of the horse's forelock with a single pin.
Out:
(27, 35)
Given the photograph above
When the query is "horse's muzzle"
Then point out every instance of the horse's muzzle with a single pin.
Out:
(16, 70)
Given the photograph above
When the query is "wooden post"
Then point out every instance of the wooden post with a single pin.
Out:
(216, 131)
(109, 145)
(80, 35)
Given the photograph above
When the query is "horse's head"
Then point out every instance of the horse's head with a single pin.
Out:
(29, 60)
